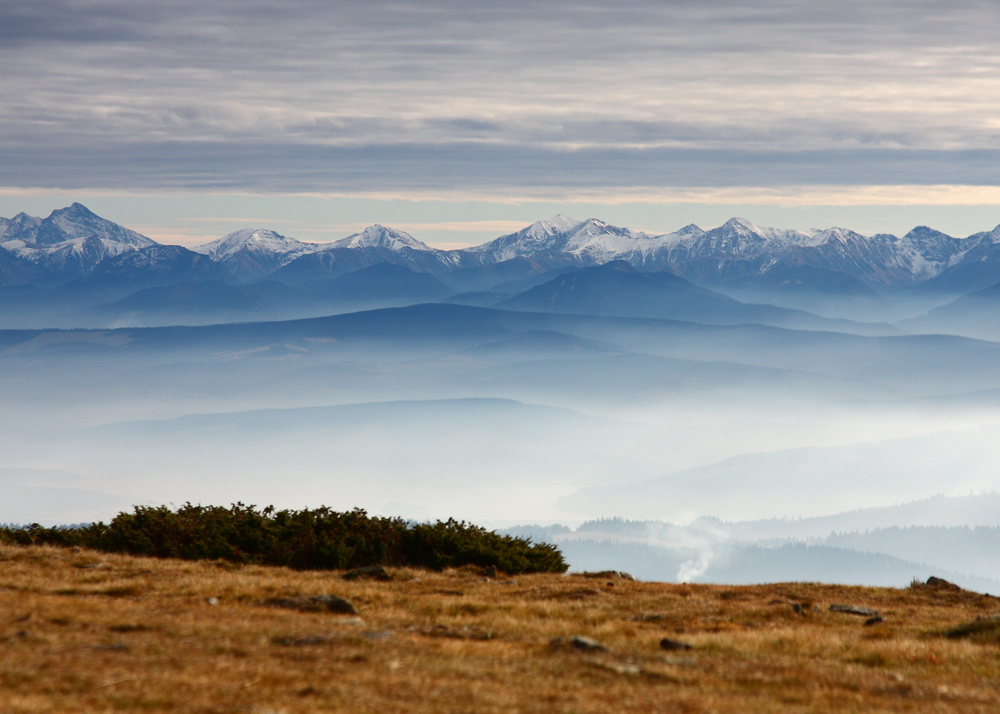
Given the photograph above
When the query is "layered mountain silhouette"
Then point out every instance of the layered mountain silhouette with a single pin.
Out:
(974, 315)
(213, 300)
(618, 289)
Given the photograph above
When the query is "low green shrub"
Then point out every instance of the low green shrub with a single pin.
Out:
(310, 539)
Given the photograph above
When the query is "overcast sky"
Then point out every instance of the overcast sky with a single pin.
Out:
(470, 103)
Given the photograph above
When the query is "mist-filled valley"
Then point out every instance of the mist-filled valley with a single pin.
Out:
(802, 411)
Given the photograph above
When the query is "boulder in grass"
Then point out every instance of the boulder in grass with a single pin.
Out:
(668, 644)
(578, 642)
(609, 575)
(586, 643)
(940, 584)
(315, 603)
(854, 610)
(375, 572)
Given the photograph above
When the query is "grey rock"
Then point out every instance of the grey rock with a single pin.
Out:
(585, 643)
(316, 603)
(375, 572)
(669, 644)
(853, 610)
(941, 583)
(609, 574)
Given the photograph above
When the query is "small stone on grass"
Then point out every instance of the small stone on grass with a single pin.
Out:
(375, 572)
(668, 644)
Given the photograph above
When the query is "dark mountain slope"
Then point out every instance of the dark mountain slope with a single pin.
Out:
(15, 270)
(331, 262)
(205, 302)
(974, 315)
(618, 289)
(381, 284)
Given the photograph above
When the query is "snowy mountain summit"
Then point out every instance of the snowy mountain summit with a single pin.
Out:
(378, 236)
(75, 223)
(250, 253)
(70, 241)
(587, 242)
(539, 237)
(256, 240)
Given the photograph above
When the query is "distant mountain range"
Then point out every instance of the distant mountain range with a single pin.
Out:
(79, 260)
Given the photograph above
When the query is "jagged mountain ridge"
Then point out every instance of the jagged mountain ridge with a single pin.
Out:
(71, 242)
(743, 252)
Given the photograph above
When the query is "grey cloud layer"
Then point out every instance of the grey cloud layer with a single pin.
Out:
(563, 94)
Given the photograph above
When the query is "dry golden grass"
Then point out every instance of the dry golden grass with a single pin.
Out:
(139, 634)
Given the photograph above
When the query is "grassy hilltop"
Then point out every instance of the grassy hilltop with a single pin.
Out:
(89, 631)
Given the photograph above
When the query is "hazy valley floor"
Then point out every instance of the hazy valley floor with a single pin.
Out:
(517, 419)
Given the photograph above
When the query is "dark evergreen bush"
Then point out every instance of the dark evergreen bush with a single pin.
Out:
(316, 539)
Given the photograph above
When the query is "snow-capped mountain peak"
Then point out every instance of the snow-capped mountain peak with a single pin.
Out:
(257, 240)
(70, 241)
(378, 236)
(596, 236)
(251, 253)
(745, 229)
(78, 222)
(689, 230)
(539, 237)
(834, 235)
(552, 227)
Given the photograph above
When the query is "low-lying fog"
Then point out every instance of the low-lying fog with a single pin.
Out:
(510, 420)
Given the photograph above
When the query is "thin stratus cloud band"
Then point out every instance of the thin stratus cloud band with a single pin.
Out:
(794, 196)
(408, 97)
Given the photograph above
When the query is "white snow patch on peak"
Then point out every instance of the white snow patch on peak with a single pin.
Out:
(994, 235)
(77, 221)
(553, 226)
(603, 242)
(539, 236)
(379, 236)
(594, 229)
(744, 228)
(689, 230)
(257, 240)
(830, 235)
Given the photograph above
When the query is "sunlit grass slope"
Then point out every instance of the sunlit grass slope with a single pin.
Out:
(84, 631)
